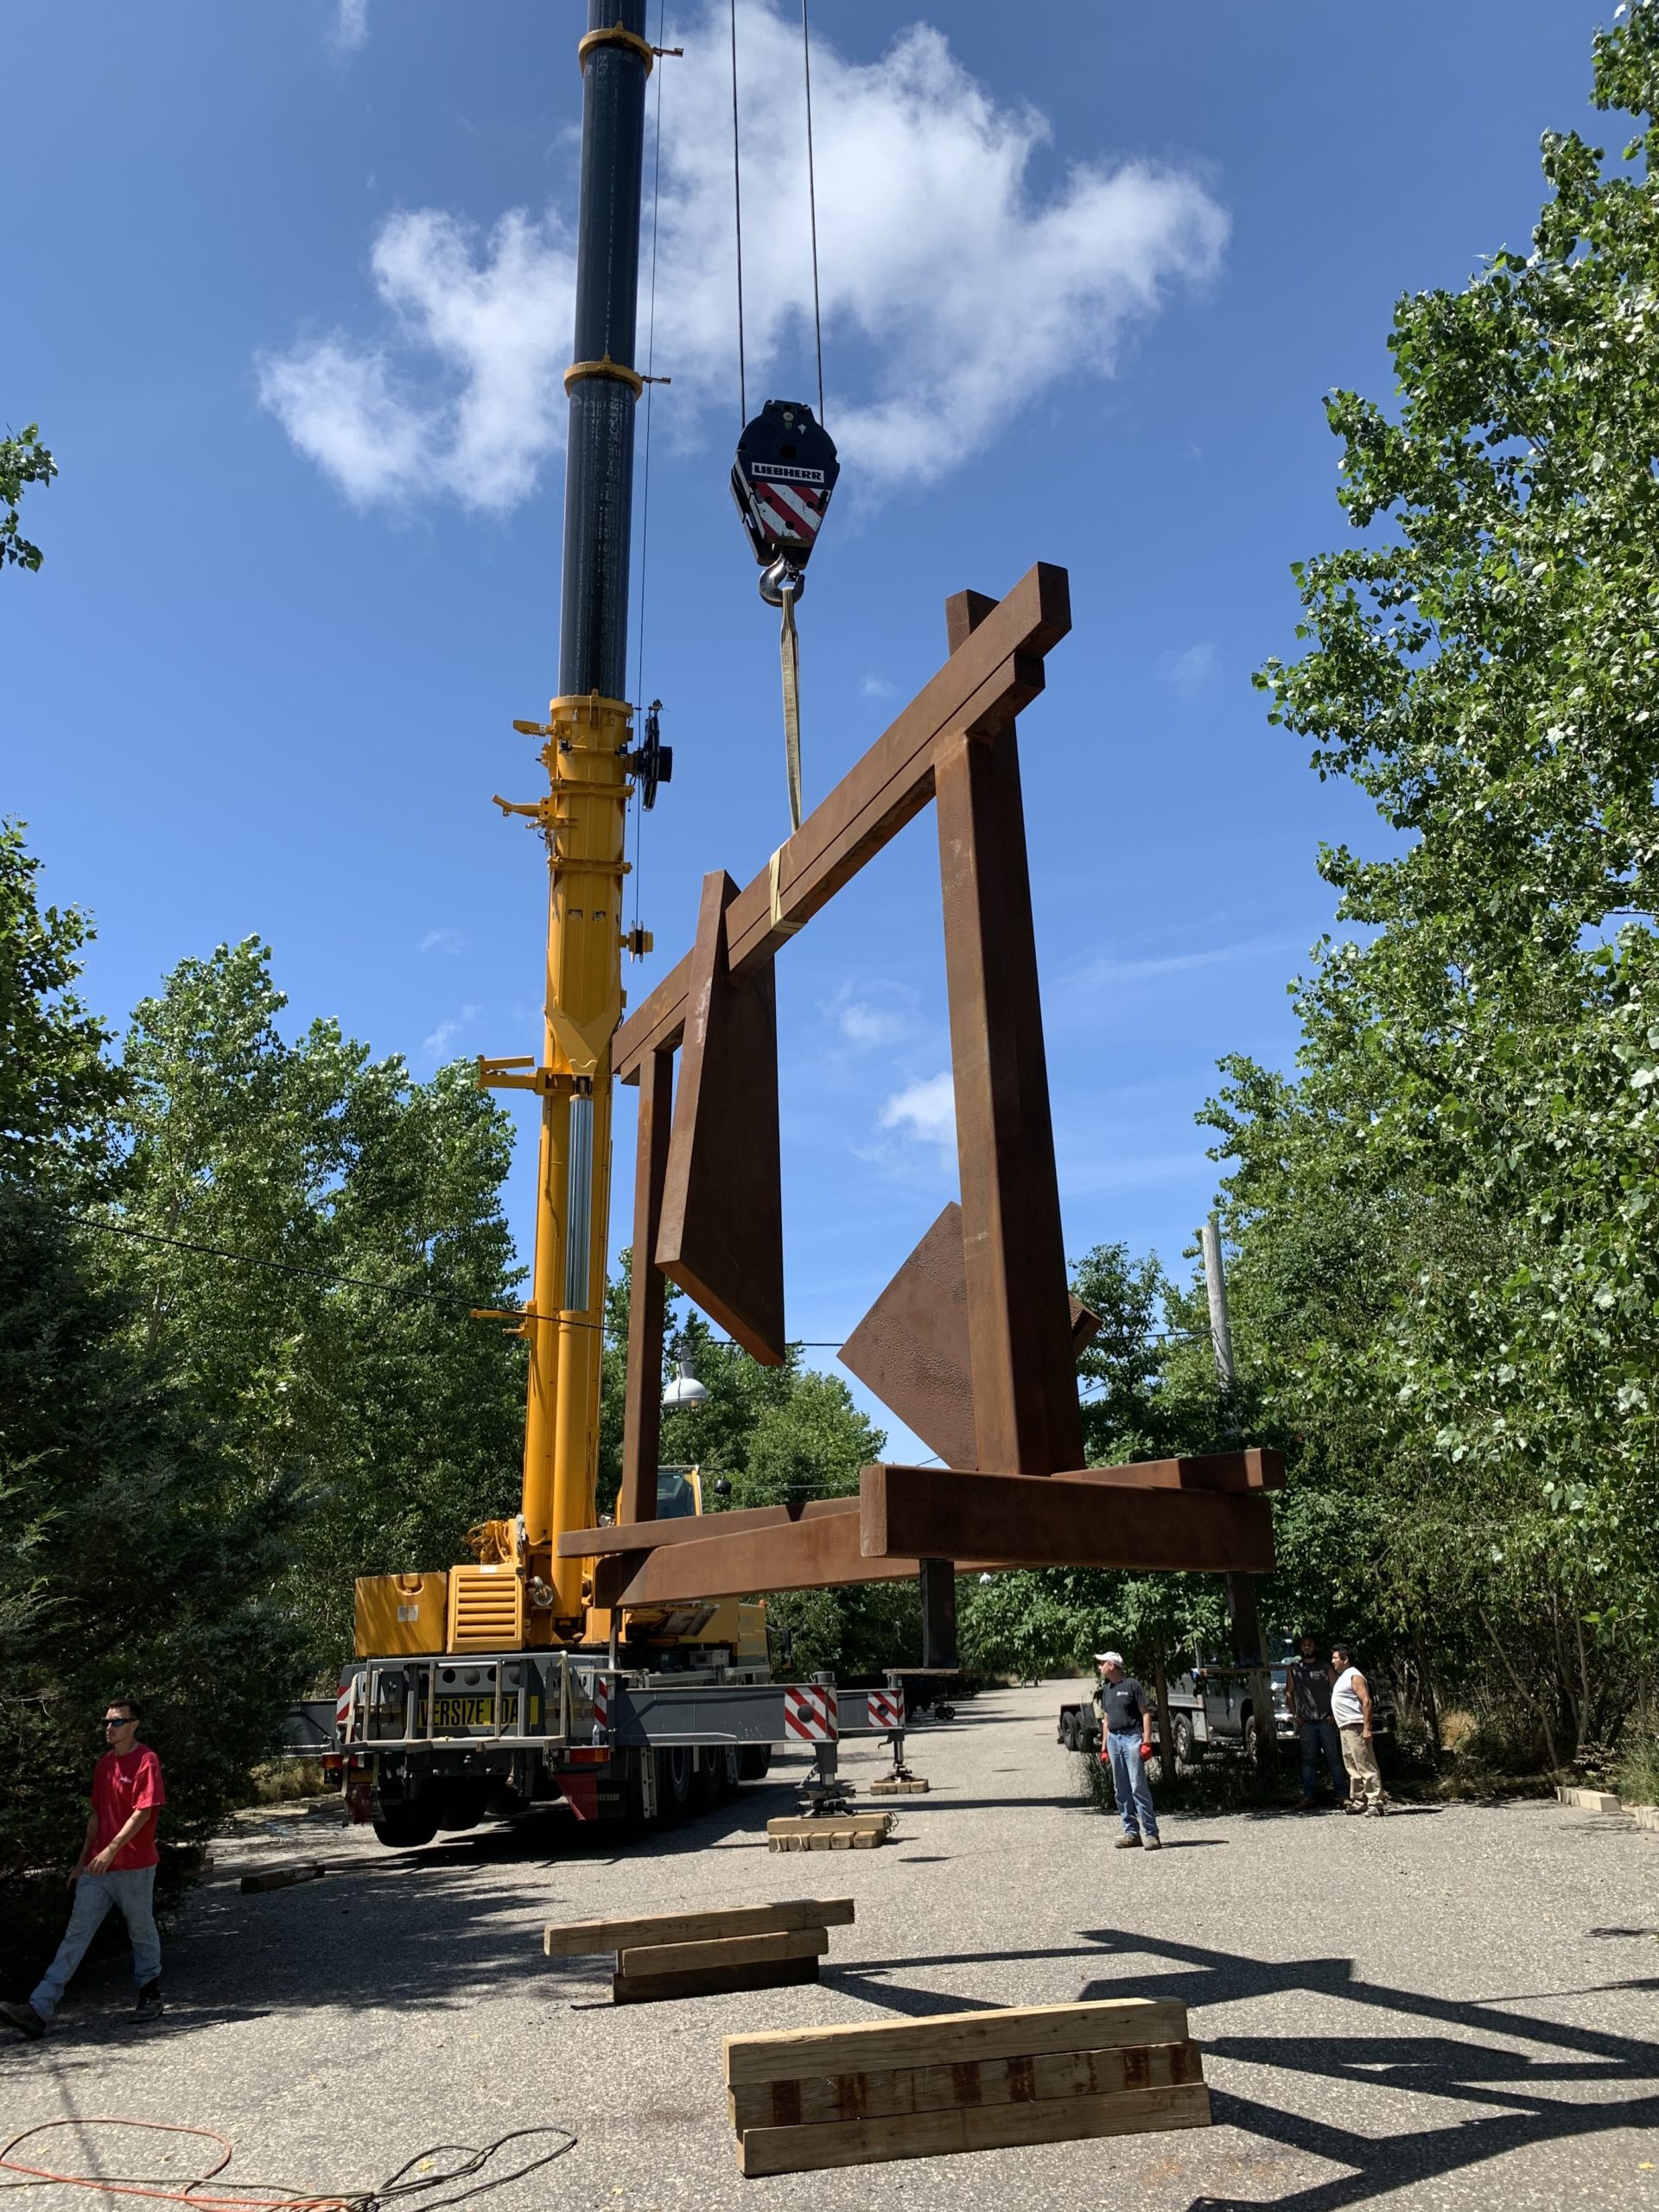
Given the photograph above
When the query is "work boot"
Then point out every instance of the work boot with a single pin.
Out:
(1150, 1843)
(1126, 1843)
(1308, 1805)
(1373, 1812)
(149, 2005)
(26, 2021)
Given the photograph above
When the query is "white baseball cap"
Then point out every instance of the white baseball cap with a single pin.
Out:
(1109, 1658)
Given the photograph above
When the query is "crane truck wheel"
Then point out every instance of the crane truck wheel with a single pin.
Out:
(674, 1771)
(401, 1828)
(1181, 1732)
(752, 1761)
(705, 1779)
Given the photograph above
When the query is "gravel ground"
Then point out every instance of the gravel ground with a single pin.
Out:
(1451, 2007)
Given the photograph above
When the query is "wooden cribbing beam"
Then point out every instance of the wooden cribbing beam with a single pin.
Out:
(823, 2098)
(970, 2127)
(996, 671)
(814, 2098)
(579, 1939)
(946, 2039)
(644, 1960)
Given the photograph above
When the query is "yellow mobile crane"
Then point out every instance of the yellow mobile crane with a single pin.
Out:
(482, 1688)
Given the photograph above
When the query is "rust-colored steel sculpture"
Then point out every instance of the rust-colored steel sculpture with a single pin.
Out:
(721, 1236)
(974, 1342)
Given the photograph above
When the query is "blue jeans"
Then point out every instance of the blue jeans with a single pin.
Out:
(1129, 1783)
(1321, 1736)
(132, 1889)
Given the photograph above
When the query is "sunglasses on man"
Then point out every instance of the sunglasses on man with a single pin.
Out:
(119, 1721)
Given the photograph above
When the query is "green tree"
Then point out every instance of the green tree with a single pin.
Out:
(58, 1091)
(24, 460)
(1444, 1224)
(361, 1214)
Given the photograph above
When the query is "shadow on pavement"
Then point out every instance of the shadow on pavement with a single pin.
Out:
(1475, 2072)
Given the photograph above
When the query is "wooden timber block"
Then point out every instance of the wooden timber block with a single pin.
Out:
(823, 1836)
(887, 1787)
(711, 1970)
(822, 2098)
(946, 2039)
(733, 1951)
(968, 2127)
(712, 1981)
(577, 1939)
(282, 1878)
(829, 1831)
(813, 2098)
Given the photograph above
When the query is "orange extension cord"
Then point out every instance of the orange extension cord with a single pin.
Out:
(262, 2200)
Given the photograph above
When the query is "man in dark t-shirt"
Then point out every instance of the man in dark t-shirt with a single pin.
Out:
(1309, 1684)
(1126, 1728)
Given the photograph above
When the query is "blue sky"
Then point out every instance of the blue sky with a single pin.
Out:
(289, 294)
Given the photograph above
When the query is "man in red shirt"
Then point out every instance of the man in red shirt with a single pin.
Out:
(117, 1866)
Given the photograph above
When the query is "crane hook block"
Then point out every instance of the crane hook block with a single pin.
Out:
(782, 478)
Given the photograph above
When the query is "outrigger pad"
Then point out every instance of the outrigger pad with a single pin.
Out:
(721, 1239)
(911, 1348)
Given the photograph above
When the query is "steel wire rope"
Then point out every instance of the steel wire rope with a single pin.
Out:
(737, 208)
(813, 203)
(645, 488)
(292, 1267)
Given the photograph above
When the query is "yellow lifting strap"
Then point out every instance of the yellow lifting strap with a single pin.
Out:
(791, 651)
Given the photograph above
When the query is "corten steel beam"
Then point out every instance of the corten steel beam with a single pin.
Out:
(642, 1415)
(1059, 1520)
(983, 1523)
(911, 1348)
(721, 1236)
(1026, 1417)
(806, 1555)
(1256, 1469)
(697, 1529)
(998, 670)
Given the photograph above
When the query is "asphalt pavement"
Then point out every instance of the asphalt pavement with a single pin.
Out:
(1450, 2007)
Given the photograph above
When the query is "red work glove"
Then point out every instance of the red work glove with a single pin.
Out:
(1146, 1750)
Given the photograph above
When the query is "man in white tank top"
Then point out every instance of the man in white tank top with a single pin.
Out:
(1350, 1708)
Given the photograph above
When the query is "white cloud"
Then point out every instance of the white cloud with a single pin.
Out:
(436, 1046)
(925, 1111)
(445, 940)
(954, 293)
(872, 1014)
(878, 687)
(1187, 672)
(1108, 969)
(351, 25)
(496, 322)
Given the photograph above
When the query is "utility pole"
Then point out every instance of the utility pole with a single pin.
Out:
(1243, 1615)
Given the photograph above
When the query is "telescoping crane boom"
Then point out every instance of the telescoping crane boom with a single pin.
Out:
(479, 1689)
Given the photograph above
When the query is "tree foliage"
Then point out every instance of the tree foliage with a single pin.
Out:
(24, 460)
(1446, 1254)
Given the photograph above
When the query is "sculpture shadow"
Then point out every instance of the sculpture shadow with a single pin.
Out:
(1454, 2058)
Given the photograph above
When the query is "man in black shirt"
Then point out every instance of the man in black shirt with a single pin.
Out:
(1310, 1701)
(1126, 1723)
